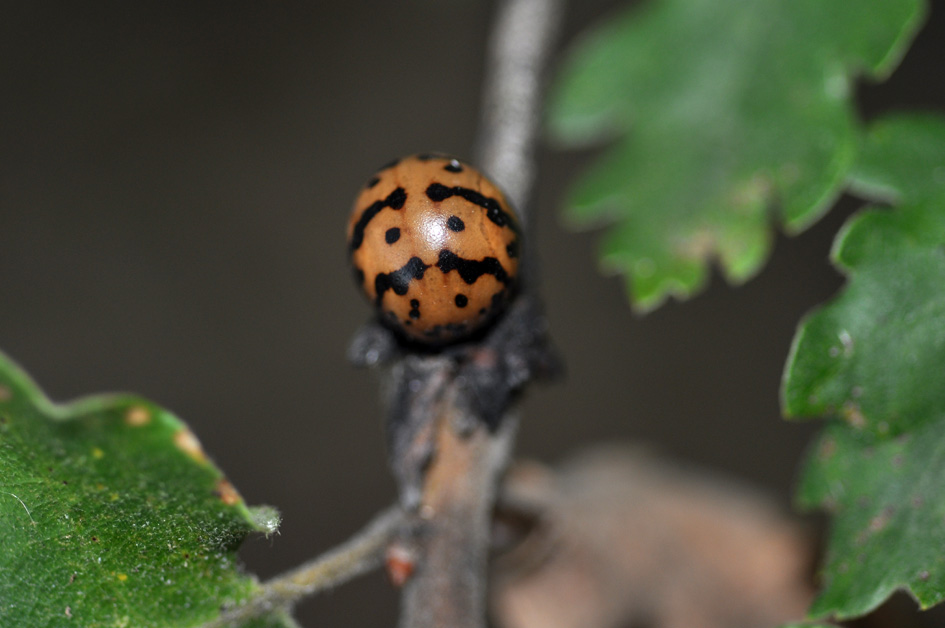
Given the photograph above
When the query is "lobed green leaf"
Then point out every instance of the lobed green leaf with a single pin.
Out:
(722, 110)
(873, 360)
(887, 505)
(875, 356)
(111, 515)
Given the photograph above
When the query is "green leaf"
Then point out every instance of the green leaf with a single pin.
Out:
(723, 110)
(887, 505)
(112, 515)
(874, 358)
(901, 159)
(876, 355)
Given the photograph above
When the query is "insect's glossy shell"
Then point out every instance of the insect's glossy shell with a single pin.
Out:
(435, 246)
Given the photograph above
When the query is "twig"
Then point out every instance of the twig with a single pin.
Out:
(453, 528)
(524, 33)
(358, 555)
(470, 448)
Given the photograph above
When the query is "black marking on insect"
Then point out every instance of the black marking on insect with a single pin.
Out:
(359, 276)
(437, 192)
(392, 235)
(390, 164)
(461, 300)
(414, 309)
(399, 280)
(455, 223)
(374, 181)
(394, 200)
(512, 248)
(471, 270)
(453, 166)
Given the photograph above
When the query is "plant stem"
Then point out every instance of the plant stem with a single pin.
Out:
(453, 526)
(522, 38)
(453, 523)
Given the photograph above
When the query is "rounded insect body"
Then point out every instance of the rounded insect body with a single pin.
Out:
(435, 247)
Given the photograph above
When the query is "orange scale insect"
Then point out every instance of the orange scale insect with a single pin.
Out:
(435, 246)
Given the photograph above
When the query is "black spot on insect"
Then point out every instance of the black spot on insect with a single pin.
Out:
(399, 280)
(471, 270)
(392, 235)
(388, 165)
(414, 303)
(374, 181)
(394, 200)
(414, 314)
(437, 192)
(414, 309)
(453, 166)
(512, 248)
(358, 276)
(455, 223)
(461, 300)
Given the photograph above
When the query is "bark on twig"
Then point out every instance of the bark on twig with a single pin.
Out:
(511, 114)
(473, 434)
(452, 527)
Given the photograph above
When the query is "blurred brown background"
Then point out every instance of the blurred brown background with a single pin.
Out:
(174, 183)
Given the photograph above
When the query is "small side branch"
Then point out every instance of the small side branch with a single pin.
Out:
(362, 553)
